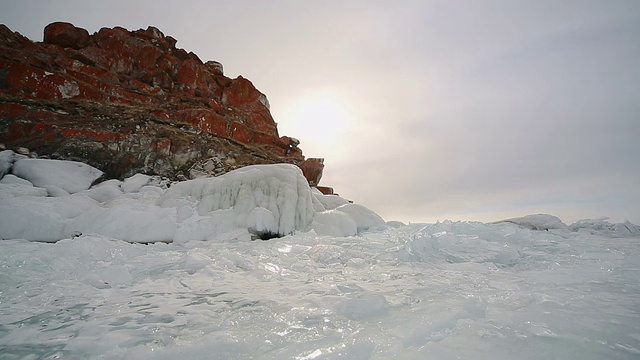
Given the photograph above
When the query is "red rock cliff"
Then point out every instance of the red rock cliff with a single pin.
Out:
(131, 101)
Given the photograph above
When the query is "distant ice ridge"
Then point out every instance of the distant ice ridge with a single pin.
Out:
(50, 200)
(594, 226)
(538, 222)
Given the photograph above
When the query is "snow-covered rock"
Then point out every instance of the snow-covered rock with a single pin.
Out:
(17, 189)
(268, 199)
(12, 179)
(105, 191)
(135, 183)
(6, 161)
(72, 176)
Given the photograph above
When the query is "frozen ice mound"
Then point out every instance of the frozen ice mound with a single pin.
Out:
(538, 222)
(266, 199)
(347, 220)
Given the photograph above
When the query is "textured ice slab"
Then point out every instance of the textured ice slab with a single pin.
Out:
(264, 198)
(72, 176)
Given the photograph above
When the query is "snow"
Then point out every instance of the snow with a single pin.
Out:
(134, 219)
(105, 191)
(72, 176)
(12, 179)
(13, 188)
(40, 218)
(339, 283)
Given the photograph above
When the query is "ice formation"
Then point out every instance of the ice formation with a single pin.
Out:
(265, 200)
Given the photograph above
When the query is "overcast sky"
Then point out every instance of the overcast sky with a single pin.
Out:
(426, 110)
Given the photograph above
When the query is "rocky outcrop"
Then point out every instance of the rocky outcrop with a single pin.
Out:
(132, 102)
(312, 169)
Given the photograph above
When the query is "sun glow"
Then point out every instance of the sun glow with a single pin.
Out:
(319, 117)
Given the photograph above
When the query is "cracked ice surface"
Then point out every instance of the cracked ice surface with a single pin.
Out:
(433, 291)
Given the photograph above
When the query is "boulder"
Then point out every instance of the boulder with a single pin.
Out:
(242, 92)
(66, 35)
(312, 169)
(325, 190)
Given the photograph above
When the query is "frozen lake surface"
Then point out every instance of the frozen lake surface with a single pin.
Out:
(437, 291)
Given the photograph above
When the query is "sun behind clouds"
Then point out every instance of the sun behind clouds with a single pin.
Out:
(318, 118)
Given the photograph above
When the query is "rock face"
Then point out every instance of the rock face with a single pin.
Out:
(131, 102)
(312, 169)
